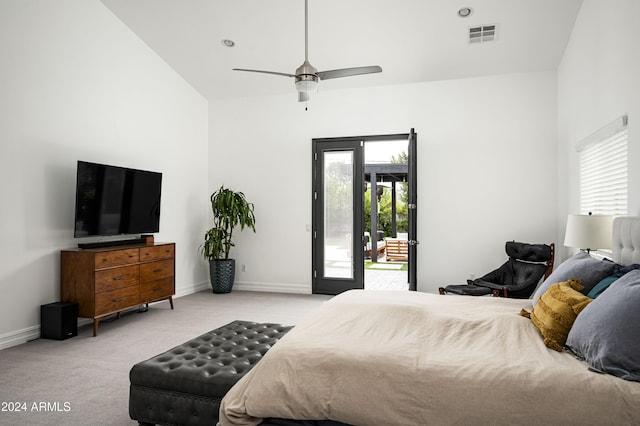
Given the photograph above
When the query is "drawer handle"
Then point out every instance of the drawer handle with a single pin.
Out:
(119, 299)
(118, 278)
(157, 270)
(157, 289)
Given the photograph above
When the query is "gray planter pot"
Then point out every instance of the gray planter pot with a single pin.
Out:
(222, 273)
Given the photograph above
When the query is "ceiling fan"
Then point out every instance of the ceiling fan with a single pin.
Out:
(307, 76)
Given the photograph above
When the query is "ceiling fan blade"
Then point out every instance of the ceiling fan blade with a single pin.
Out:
(303, 96)
(306, 75)
(265, 72)
(347, 72)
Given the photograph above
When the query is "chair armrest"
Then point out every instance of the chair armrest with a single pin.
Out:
(488, 284)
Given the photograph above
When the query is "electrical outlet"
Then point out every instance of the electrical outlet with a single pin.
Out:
(243, 268)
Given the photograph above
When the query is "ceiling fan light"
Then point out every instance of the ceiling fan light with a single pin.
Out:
(303, 96)
(306, 86)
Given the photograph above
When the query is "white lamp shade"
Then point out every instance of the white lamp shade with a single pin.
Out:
(590, 232)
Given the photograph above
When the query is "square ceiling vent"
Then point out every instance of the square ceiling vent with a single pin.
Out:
(483, 33)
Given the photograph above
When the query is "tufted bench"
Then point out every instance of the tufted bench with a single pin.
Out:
(184, 386)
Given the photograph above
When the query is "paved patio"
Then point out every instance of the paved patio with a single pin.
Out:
(338, 264)
(385, 280)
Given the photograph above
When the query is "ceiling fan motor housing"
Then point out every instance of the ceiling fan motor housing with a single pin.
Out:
(306, 78)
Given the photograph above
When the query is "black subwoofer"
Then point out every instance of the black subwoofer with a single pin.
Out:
(59, 320)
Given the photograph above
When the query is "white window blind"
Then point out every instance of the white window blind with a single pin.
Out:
(603, 170)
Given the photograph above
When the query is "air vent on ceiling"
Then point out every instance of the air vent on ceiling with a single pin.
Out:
(483, 33)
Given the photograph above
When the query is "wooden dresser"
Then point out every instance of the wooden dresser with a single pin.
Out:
(105, 281)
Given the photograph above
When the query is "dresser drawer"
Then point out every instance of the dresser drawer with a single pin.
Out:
(156, 270)
(114, 278)
(156, 252)
(107, 259)
(117, 300)
(158, 289)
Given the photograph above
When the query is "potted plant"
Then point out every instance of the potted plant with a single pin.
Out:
(230, 209)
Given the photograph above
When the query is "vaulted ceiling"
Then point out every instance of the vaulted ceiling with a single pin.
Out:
(412, 40)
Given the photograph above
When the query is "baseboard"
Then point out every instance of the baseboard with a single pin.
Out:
(194, 288)
(249, 286)
(18, 337)
(272, 287)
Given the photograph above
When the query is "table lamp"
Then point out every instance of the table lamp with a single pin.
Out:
(588, 232)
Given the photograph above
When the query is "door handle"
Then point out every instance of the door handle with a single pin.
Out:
(413, 242)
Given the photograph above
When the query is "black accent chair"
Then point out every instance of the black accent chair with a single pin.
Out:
(517, 278)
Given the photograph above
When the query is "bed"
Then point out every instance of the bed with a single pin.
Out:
(405, 358)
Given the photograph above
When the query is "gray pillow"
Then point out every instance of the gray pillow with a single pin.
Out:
(581, 266)
(605, 334)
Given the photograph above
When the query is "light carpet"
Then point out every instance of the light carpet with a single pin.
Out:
(84, 380)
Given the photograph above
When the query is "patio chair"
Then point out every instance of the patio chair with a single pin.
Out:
(380, 244)
(516, 278)
(397, 249)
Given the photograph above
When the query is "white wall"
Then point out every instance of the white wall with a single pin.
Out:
(486, 170)
(598, 81)
(77, 84)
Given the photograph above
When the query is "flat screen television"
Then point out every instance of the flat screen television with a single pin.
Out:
(113, 200)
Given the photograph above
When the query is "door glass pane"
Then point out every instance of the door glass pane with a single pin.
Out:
(338, 214)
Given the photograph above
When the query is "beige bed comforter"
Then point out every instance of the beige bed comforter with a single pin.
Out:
(406, 358)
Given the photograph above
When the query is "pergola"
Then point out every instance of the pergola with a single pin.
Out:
(378, 173)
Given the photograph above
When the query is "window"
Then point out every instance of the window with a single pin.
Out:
(603, 170)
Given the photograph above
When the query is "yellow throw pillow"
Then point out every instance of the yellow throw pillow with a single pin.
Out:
(556, 311)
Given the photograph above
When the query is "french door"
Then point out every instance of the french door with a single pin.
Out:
(338, 258)
(338, 215)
